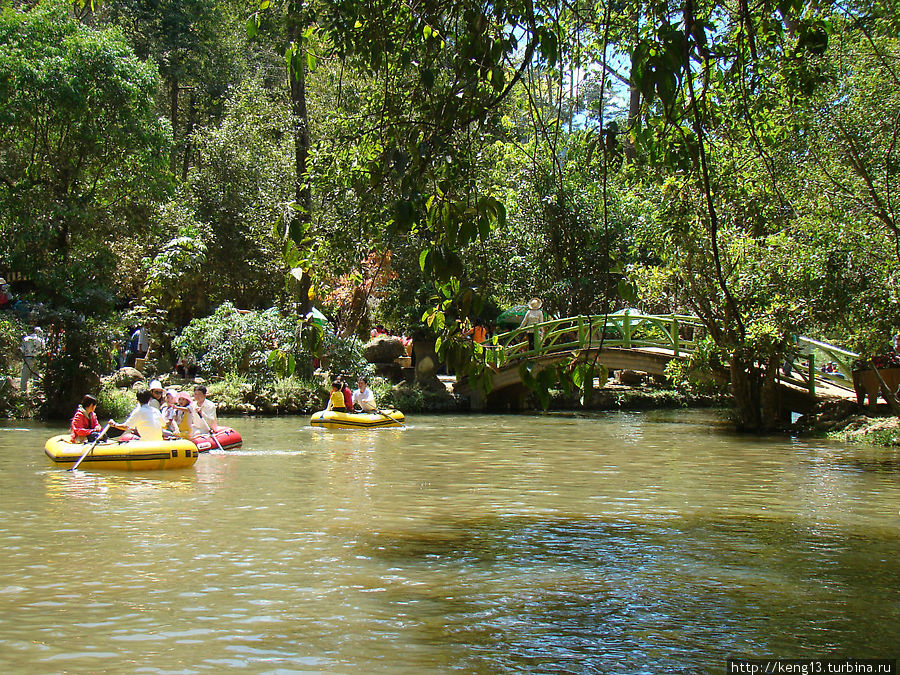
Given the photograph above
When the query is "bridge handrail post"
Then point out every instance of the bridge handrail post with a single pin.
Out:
(626, 330)
(812, 374)
(675, 336)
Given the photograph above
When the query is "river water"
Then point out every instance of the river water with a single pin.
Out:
(607, 543)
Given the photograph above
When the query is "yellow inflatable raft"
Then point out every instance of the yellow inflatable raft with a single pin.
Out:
(342, 420)
(129, 456)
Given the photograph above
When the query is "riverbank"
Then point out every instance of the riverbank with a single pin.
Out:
(295, 396)
(843, 421)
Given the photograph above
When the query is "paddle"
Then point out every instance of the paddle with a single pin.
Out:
(93, 445)
(384, 414)
(209, 429)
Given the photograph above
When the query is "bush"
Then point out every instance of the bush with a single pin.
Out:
(280, 395)
(115, 403)
(11, 332)
(78, 351)
(238, 343)
(345, 356)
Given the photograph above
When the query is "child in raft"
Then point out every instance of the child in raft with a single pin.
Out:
(84, 425)
(336, 399)
(183, 414)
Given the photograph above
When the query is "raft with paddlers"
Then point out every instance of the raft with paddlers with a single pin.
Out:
(331, 419)
(133, 455)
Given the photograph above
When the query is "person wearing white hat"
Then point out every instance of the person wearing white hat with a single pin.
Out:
(156, 394)
(533, 316)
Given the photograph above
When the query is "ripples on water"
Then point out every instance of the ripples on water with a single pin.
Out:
(618, 543)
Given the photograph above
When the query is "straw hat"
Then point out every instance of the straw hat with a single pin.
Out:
(534, 303)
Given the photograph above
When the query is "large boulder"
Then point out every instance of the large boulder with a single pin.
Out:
(383, 349)
(631, 378)
(125, 377)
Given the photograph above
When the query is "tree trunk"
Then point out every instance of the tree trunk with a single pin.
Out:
(173, 117)
(301, 216)
(745, 390)
(186, 163)
(634, 109)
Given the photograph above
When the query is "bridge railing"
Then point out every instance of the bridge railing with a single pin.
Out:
(627, 330)
(810, 354)
(676, 332)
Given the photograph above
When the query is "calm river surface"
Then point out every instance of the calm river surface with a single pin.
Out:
(609, 543)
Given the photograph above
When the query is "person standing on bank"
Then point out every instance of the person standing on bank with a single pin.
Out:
(32, 346)
(533, 316)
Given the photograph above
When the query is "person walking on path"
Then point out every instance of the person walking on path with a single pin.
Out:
(533, 316)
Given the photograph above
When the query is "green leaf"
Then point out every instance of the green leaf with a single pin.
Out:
(310, 60)
(252, 27)
(627, 292)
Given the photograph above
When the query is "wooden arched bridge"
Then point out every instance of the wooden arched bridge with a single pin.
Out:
(630, 340)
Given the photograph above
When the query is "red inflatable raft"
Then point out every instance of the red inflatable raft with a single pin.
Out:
(228, 438)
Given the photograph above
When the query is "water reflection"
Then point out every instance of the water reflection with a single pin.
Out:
(612, 543)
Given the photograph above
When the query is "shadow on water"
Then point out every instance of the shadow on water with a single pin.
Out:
(595, 596)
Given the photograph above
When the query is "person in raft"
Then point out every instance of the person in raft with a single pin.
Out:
(156, 394)
(203, 420)
(348, 394)
(363, 397)
(84, 425)
(144, 419)
(170, 411)
(336, 399)
(183, 414)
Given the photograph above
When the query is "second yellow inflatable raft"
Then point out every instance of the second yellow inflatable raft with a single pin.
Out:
(342, 420)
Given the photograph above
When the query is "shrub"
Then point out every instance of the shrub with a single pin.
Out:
(11, 332)
(115, 403)
(238, 343)
(345, 355)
